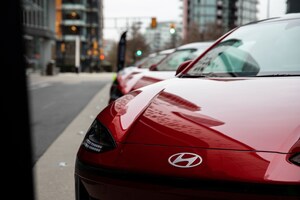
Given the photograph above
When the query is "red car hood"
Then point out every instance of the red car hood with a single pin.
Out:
(254, 114)
(126, 73)
(144, 78)
(151, 77)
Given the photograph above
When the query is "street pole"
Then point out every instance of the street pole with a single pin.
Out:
(268, 9)
(77, 54)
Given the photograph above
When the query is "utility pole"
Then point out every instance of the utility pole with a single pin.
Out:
(268, 9)
(77, 53)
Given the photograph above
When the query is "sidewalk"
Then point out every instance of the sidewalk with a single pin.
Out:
(54, 171)
(36, 78)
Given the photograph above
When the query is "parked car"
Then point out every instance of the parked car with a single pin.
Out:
(226, 127)
(162, 70)
(167, 68)
(127, 73)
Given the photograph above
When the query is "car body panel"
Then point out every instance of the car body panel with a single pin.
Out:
(148, 78)
(112, 188)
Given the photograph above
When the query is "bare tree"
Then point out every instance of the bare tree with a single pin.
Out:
(211, 31)
(175, 40)
(112, 56)
(193, 34)
(135, 42)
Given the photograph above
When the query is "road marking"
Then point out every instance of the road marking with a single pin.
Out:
(39, 86)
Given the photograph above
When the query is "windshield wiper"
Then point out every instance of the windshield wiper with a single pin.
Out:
(192, 76)
(210, 75)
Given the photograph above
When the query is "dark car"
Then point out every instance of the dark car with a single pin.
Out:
(226, 127)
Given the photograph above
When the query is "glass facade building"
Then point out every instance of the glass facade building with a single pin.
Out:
(226, 14)
(39, 33)
(293, 6)
(79, 20)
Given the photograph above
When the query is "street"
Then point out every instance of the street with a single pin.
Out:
(55, 103)
(54, 168)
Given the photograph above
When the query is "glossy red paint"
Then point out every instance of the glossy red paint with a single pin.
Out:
(149, 78)
(191, 138)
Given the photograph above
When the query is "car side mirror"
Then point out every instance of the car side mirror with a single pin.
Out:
(153, 67)
(182, 66)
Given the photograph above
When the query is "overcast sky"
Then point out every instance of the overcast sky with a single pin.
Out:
(120, 12)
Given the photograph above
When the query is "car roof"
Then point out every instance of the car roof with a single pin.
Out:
(195, 45)
(167, 51)
(152, 55)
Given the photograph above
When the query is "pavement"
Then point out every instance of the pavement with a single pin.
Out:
(54, 171)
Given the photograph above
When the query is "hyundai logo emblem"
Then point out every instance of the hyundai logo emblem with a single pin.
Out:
(185, 160)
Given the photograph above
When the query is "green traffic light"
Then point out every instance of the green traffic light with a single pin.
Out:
(139, 53)
(172, 30)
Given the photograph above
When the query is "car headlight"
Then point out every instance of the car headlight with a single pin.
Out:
(98, 139)
(295, 159)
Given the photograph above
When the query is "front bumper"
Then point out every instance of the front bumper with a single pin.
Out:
(108, 184)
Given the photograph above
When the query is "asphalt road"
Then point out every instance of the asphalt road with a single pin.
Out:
(54, 170)
(55, 101)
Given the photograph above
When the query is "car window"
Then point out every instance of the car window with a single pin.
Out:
(249, 52)
(153, 60)
(172, 62)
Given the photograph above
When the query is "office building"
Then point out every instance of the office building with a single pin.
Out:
(39, 33)
(292, 6)
(79, 34)
(217, 15)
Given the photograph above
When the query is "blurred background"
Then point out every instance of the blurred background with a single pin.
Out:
(83, 35)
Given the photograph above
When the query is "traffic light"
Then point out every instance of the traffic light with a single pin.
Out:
(138, 53)
(95, 44)
(172, 28)
(62, 47)
(153, 22)
(102, 56)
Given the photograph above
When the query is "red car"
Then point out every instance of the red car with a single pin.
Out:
(159, 71)
(128, 72)
(226, 127)
(167, 68)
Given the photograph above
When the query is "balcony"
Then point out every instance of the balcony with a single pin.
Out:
(73, 7)
(70, 22)
(69, 38)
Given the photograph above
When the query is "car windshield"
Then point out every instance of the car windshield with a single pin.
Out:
(270, 49)
(172, 62)
(153, 60)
